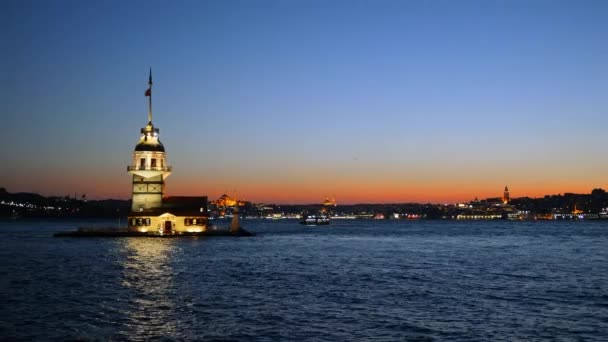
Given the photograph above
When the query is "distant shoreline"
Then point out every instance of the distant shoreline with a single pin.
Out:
(568, 206)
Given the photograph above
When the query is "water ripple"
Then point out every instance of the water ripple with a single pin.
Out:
(361, 280)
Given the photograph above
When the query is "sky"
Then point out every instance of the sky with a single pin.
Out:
(293, 101)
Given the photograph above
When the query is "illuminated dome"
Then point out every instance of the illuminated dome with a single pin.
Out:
(149, 140)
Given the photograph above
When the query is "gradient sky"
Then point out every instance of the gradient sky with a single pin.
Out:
(292, 101)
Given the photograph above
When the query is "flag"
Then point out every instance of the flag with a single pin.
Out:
(149, 92)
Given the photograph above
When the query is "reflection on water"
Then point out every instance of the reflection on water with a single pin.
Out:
(148, 273)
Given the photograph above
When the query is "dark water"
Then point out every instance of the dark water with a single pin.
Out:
(353, 280)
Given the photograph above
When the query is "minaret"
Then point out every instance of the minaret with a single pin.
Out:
(149, 166)
(505, 196)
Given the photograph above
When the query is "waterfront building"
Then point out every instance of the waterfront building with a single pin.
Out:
(151, 210)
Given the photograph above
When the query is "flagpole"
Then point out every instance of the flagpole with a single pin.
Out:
(150, 99)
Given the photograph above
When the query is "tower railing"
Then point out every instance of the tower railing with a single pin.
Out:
(148, 168)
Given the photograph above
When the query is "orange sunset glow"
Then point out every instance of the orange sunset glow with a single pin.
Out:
(366, 111)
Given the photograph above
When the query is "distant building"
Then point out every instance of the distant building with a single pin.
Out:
(330, 202)
(226, 201)
(151, 211)
(506, 198)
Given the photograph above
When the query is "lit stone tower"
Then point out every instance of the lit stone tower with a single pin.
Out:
(149, 166)
(505, 196)
(235, 226)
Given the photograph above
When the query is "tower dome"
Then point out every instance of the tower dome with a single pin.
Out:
(149, 140)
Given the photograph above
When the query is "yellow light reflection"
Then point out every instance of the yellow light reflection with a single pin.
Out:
(147, 271)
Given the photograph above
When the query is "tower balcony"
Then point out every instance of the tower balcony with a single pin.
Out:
(148, 168)
(147, 171)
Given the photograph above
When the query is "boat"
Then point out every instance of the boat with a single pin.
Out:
(315, 219)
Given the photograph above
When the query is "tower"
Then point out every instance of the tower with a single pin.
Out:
(149, 166)
(505, 196)
(235, 226)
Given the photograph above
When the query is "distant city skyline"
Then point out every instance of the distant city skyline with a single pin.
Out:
(292, 102)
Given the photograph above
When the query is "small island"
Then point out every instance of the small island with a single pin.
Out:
(116, 232)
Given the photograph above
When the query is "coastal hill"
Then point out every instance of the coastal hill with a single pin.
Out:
(24, 204)
(568, 205)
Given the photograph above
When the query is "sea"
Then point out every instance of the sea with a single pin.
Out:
(354, 280)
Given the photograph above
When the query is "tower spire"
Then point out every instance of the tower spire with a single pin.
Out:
(149, 94)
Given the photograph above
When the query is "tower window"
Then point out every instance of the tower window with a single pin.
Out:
(161, 163)
(142, 163)
(153, 162)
